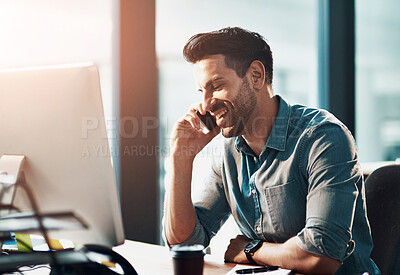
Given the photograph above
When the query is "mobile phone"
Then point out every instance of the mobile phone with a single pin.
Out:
(208, 122)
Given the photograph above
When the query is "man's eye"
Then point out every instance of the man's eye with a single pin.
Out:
(218, 87)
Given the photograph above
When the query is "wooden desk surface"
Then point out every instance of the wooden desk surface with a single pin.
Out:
(149, 259)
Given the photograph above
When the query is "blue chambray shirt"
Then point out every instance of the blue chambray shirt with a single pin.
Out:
(307, 183)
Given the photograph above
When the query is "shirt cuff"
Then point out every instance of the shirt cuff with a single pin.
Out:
(198, 236)
(313, 241)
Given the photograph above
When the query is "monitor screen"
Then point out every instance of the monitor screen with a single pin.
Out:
(54, 117)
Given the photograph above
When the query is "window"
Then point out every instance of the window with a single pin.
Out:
(377, 80)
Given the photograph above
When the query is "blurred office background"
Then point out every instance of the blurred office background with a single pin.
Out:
(138, 48)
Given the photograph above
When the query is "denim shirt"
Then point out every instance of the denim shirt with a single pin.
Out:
(307, 183)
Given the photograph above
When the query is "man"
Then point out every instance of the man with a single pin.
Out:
(289, 175)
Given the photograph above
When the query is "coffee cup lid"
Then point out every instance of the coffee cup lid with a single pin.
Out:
(187, 251)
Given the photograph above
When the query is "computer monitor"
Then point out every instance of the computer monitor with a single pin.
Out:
(54, 116)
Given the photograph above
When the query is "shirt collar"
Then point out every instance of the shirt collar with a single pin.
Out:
(277, 138)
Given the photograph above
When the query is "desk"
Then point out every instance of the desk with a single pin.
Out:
(149, 259)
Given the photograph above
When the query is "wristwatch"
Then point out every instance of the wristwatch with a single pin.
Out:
(251, 248)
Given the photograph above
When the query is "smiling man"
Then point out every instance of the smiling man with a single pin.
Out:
(289, 176)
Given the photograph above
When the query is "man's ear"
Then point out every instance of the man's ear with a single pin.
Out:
(257, 74)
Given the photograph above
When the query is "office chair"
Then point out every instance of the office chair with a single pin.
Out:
(383, 207)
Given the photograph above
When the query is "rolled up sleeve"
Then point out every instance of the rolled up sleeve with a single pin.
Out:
(198, 236)
(334, 181)
(320, 240)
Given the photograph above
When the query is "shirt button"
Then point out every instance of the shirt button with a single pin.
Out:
(254, 191)
(258, 228)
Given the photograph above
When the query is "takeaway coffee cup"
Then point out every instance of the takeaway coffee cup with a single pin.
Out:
(188, 259)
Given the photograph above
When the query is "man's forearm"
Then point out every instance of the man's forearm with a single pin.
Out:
(290, 256)
(180, 215)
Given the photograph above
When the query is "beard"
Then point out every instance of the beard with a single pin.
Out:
(240, 110)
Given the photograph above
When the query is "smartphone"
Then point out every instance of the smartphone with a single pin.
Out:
(208, 122)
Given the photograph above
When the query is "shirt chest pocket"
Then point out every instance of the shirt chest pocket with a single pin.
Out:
(287, 208)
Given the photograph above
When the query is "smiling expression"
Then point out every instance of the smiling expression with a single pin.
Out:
(229, 98)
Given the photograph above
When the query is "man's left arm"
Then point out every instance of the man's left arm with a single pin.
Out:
(287, 255)
(331, 167)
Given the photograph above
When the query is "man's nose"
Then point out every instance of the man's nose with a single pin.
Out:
(207, 100)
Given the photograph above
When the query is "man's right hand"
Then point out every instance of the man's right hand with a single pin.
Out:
(186, 142)
(187, 138)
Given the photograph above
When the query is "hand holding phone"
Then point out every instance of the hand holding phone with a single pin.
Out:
(208, 122)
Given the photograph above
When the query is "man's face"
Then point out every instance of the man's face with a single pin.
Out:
(226, 96)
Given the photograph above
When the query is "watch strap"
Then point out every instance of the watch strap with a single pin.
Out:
(250, 258)
(250, 251)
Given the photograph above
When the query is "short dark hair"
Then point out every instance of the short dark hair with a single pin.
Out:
(239, 46)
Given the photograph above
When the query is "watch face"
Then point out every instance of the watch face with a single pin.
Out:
(252, 246)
